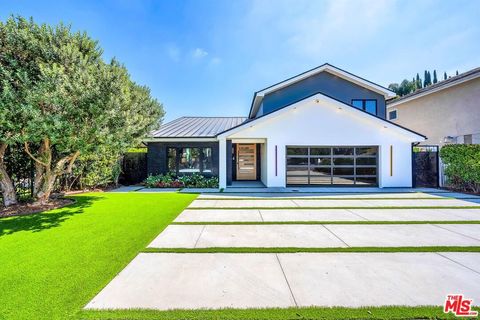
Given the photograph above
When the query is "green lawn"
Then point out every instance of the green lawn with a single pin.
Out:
(53, 263)
(427, 312)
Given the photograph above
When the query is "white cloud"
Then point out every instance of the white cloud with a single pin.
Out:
(199, 53)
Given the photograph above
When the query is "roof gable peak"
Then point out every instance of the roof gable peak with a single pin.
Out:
(326, 67)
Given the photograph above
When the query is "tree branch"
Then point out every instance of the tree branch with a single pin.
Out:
(61, 163)
(27, 150)
(3, 148)
(72, 161)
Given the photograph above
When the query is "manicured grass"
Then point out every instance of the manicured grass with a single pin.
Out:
(331, 198)
(319, 250)
(353, 207)
(427, 312)
(325, 222)
(53, 263)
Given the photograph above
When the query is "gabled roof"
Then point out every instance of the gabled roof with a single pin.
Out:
(196, 127)
(251, 122)
(258, 96)
(463, 77)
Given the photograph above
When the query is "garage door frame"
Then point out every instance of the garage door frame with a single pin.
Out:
(332, 156)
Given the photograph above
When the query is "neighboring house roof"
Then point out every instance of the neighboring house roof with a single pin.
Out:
(258, 96)
(196, 127)
(463, 77)
(251, 122)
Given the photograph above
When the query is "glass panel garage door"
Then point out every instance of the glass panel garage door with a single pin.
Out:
(318, 166)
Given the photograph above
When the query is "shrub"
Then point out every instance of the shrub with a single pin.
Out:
(163, 181)
(462, 166)
(198, 181)
(188, 181)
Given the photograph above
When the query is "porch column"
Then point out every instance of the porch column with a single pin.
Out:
(229, 162)
(222, 162)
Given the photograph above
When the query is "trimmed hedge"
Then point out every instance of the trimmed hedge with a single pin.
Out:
(462, 166)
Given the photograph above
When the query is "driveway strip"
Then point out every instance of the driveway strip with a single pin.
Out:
(315, 236)
(166, 281)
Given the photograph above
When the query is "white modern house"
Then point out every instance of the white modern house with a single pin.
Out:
(324, 127)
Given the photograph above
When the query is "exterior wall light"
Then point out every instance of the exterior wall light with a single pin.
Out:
(449, 139)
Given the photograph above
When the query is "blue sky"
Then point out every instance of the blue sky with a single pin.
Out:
(208, 57)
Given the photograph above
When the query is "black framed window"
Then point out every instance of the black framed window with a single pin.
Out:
(392, 115)
(189, 160)
(368, 105)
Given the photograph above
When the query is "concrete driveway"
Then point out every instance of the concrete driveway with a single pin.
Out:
(337, 220)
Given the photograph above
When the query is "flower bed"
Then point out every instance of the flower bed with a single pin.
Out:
(169, 180)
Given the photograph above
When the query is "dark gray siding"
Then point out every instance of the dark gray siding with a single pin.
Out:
(325, 83)
(157, 155)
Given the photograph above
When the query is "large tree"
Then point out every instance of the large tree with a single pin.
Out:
(18, 72)
(8, 136)
(418, 81)
(78, 103)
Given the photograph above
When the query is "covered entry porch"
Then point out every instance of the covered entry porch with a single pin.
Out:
(245, 163)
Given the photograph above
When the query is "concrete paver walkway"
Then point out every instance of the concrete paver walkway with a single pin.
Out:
(282, 215)
(316, 235)
(191, 281)
(361, 203)
(341, 195)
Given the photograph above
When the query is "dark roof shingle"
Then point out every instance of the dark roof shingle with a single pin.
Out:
(196, 127)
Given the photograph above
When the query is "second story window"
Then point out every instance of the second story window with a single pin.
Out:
(392, 115)
(366, 105)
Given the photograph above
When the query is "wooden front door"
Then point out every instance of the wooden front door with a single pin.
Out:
(246, 161)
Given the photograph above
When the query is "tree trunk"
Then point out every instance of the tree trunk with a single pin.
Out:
(49, 172)
(39, 170)
(6, 185)
(46, 188)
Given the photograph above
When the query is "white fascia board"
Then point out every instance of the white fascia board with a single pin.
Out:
(185, 139)
(344, 107)
(440, 88)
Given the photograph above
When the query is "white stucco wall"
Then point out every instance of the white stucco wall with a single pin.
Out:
(321, 121)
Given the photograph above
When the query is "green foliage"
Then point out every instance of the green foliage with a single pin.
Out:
(462, 166)
(137, 150)
(407, 87)
(95, 170)
(198, 181)
(169, 180)
(58, 92)
(418, 81)
(163, 181)
(404, 88)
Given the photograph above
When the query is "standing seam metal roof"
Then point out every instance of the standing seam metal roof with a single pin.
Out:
(197, 127)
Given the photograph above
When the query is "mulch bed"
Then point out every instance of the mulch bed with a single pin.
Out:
(460, 190)
(31, 208)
